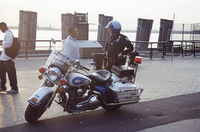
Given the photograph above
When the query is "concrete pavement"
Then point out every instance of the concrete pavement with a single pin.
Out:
(192, 125)
(160, 78)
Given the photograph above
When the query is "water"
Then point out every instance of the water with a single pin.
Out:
(47, 35)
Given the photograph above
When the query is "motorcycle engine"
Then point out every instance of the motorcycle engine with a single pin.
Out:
(77, 93)
(81, 99)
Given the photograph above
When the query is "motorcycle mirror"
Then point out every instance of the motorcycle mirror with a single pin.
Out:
(77, 62)
(53, 40)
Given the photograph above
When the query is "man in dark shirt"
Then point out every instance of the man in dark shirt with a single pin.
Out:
(116, 44)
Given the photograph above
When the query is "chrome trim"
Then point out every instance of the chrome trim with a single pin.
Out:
(52, 97)
(67, 100)
(80, 104)
(57, 81)
(141, 89)
(56, 72)
(121, 103)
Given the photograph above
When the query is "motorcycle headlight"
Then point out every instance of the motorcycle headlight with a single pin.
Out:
(54, 74)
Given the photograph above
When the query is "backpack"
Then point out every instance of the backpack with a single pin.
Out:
(13, 51)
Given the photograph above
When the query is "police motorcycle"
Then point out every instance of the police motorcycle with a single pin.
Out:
(71, 86)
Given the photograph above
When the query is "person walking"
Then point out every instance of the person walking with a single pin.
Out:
(116, 44)
(7, 64)
(71, 48)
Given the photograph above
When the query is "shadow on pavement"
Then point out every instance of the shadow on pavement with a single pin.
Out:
(132, 117)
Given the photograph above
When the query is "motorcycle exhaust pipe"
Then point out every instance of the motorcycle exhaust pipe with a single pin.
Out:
(66, 102)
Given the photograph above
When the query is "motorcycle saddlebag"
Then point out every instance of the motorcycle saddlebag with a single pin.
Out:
(122, 70)
(126, 92)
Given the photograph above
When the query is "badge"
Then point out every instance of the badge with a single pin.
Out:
(127, 39)
(118, 38)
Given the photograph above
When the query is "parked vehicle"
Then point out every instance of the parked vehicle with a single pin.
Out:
(71, 86)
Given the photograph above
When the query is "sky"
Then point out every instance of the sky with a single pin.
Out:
(126, 12)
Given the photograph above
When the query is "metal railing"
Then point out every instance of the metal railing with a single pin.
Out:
(26, 50)
(165, 45)
(189, 47)
(170, 44)
(148, 43)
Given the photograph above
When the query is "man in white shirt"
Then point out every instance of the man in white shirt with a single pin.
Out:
(71, 48)
(7, 64)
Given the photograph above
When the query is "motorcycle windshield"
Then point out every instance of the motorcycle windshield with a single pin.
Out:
(58, 59)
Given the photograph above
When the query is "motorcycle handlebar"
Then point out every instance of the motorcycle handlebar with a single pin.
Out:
(85, 68)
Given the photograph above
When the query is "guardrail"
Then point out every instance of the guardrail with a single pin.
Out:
(26, 47)
(171, 44)
(189, 46)
(166, 46)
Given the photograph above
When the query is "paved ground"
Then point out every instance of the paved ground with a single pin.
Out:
(160, 115)
(160, 78)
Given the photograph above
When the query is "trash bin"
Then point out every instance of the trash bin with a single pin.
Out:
(98, 59)
(132, 58)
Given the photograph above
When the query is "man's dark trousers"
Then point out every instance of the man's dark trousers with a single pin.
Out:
(9, 67)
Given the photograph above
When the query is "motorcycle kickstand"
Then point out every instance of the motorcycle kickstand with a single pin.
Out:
(77, 119)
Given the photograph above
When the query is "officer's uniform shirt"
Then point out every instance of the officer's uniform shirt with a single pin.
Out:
(116, 44)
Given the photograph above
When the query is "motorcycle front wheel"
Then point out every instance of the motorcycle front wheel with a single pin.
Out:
(33, 113)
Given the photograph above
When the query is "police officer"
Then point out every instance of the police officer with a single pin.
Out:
(115, 46)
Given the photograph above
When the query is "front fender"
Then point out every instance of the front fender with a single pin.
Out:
(41, 94)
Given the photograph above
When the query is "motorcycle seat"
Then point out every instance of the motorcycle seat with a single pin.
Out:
(101, 76)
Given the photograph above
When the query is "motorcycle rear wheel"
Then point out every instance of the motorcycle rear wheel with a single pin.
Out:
(111, 108)
(33, 113)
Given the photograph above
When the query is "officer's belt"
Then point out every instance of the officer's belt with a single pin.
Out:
(112, 59)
